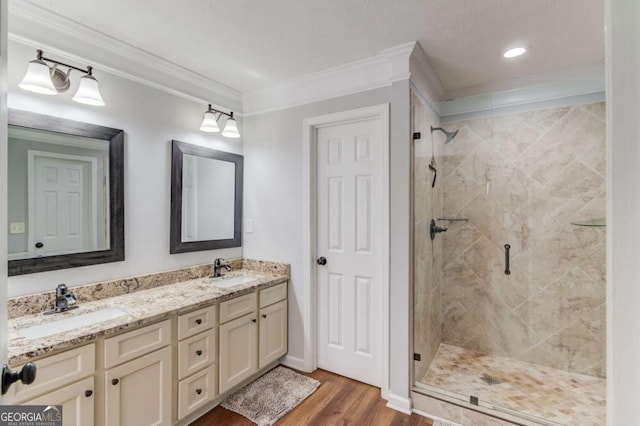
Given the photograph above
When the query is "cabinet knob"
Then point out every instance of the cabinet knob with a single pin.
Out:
(27, 376)
(198, 321)
(198, 352)
(254, 320)
(88, 393)
(198, 391)
(264, 315)
(115, 381)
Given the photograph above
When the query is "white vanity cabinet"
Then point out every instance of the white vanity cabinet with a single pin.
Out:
(165, 373)
(238, 340)
(77, 402)
(273, 324)
(273, 333)
(252, 338)
(197, 360)
(137, 379)
(63, 379)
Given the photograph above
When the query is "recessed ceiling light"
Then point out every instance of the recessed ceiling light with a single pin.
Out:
(514, 52)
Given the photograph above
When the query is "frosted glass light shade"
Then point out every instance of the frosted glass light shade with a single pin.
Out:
(88, 92)
(38, 78)
(231, 129)
(209, 123)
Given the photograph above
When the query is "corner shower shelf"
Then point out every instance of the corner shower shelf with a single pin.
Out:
(590, 222)
(453, 219)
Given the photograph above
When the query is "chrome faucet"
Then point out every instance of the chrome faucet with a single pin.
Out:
(64, 300)
(217, 267)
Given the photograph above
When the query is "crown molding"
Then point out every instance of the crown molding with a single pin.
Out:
(389, 66)
(536, 91)
(424, 78)
(29, 22)
(585, 74)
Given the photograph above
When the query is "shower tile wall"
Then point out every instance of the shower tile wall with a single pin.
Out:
(427, 265)
(522, 179)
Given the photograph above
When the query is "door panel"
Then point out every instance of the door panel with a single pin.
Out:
(63, 214)
(349, 204)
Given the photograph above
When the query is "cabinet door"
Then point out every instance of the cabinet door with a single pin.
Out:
(139, 391)
(273, 333)
(238, 354)
(76, 401)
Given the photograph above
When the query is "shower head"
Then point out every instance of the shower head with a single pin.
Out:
(449, 135)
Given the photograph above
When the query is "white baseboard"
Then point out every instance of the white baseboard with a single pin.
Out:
(295, 363)
(399, 403)
(432, 417)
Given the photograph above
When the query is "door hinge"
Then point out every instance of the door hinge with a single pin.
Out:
(417, 357)
(416, 136)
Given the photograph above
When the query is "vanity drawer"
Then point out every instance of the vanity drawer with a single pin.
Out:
(56, 371)
(271, 295)
(133, 344)
(196, 391)
(196, 352)
(195, 322)
(238, 307)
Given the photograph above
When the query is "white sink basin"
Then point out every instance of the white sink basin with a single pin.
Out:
(61, 325)
(231, 281)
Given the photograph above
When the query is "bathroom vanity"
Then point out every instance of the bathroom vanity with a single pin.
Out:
(166, 355)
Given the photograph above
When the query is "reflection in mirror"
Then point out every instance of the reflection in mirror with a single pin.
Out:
(208, 190)
(206, 198)
(65, 193)
(58, 193)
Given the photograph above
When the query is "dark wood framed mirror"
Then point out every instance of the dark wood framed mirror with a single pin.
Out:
(206, 198)
(65, 193)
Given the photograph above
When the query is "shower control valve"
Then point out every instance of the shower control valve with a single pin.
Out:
(435, 229)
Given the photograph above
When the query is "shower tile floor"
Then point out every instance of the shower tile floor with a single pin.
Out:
(542, 392)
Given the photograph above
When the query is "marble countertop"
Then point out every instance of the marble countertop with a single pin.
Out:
(142, 307)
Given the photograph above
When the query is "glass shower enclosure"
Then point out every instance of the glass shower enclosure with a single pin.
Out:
(509, 302)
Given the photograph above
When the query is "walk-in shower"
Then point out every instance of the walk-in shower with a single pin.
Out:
(509, 303)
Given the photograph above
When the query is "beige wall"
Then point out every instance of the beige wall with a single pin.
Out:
(427, 254)
(522, 179)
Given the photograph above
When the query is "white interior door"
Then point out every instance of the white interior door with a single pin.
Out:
(63, 204)
(349, 236)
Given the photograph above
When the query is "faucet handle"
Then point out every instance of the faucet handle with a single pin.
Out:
(71, 298)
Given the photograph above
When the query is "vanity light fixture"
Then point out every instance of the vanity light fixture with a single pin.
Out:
(51, 80)
(210, 123)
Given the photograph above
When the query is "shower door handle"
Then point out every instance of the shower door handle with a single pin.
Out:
(507, 271)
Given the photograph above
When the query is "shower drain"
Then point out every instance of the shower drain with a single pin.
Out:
(489, 380)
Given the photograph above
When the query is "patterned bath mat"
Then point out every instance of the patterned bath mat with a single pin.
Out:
(270, 397)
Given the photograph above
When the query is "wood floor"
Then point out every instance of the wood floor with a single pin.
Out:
(338, 401)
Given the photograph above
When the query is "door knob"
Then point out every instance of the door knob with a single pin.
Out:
(39, 245)
(27, 375)
(321, 261)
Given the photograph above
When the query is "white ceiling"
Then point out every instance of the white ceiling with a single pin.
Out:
(252, 44)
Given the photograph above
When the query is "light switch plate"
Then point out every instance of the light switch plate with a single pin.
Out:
(16, 228)
(249, 226)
